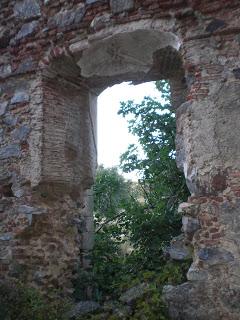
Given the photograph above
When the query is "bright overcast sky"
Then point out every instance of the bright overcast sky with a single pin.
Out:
(113, 136)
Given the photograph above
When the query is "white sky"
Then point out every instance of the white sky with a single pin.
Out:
(113, 136)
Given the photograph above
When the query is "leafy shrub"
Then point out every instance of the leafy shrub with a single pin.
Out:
(20, 302)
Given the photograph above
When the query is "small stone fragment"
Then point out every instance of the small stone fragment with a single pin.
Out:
(20, 97)
(27, 9)
(214, 25)
(6, 237)
(190, 225)
(10, 120)
(214, 256)
(5, 70)
(25, 209)
(4, 37)
(12, 150)
(26, 30)
(118, 6)
(67, 18)
(3, 108)
(196, 274)
(21, 133)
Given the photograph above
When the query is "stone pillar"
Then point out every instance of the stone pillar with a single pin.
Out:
(208, 150)
(48, 162)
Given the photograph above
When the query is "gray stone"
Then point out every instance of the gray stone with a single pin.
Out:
(190, 225)
(21, 133)
(118, 6)
(20, 96)
(6, 237)
(26, 30)
(83, 308)
(196, 274)
(215, 256)
(134, 293)
(25, 209)
(178, 250)
(5, 71)
(25, 66)
(4, 37)
(100, 21)
(1, 135)
(214, 25)
(92, 1)
(10, 151)
(67, 18)
(27, 9)
(3, 108)
(10, 120)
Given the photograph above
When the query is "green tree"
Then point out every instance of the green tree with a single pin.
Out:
(154, 221)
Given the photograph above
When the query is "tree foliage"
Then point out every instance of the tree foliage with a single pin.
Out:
(163, 186)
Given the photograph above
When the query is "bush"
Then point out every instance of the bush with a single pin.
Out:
(20, 302)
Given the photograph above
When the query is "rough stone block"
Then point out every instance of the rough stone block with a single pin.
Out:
(4, 37)
(12, 150)
(190, 225)
(27, 9)
(10, 120)
(26, 30)
(20, 96)
(3, 107)
(67, 18)
(5, 71)
(215, 256)
(25, 209)
(21, 133)
(118, 6)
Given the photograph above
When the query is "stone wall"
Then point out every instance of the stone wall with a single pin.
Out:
(55, 58)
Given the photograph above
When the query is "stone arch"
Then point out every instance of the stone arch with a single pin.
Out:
(71, 84)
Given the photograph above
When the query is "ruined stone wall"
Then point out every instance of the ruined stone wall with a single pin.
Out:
(55, 58)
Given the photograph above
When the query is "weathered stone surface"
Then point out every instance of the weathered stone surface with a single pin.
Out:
(6, 237)
(10, 151)
(93, 1)
(190, 225)
(196, 274)
(4, 37)
(26, 65)
(118, 6)
(215, 25)
(25, 9)
(5, 70)
(215, 256)
(100, 21)
(67, 17)
(3, 107)
(10, 120)
(83, 308)
(178, 250)
(30, 210)
(27, 30)
(21, 133)
(20, 96)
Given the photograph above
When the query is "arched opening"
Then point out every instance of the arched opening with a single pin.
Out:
(67, 160)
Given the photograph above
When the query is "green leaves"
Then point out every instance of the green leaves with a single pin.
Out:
(163, 186)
